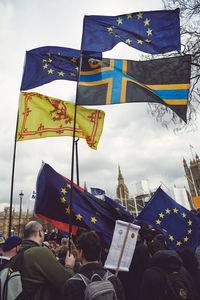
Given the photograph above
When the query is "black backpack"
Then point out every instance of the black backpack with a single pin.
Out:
(177, 286)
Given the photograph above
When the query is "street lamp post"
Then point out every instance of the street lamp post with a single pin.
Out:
(20, 210)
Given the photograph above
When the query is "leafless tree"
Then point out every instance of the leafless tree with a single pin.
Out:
(190, 44)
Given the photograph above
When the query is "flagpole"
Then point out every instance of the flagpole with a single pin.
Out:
(12, 177)
(72, 160)
(77, 167)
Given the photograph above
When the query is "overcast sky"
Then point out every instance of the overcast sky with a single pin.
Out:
(131, 137)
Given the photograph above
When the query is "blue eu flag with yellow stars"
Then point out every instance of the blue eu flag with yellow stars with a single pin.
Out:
(49, 63)
(180, 227)
(88, 212)
(148, 31)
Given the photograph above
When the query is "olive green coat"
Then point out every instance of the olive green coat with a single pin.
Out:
(43, 276)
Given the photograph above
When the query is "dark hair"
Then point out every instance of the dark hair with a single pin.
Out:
(90, 243)
(190, 261)
(155, 246)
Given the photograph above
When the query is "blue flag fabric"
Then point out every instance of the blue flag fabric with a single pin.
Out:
(180, 227)
(53, 204)
(148, 31)
(49, 63)
(97, 192)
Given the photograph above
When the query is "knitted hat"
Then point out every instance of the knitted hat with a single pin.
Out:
(11, 242)
(2, 239)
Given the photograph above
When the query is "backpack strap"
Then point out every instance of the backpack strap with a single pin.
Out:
(80, 277)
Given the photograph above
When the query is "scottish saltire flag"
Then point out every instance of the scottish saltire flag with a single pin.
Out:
(112, 81)
(53, 204)
(148, 31)
(180, 227)
(49, 63)
(42, 116)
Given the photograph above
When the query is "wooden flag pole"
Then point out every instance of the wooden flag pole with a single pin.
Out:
(122, 250)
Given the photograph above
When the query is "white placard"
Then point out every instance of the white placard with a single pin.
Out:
(117, 246)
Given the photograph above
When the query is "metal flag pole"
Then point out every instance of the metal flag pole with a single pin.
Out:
(12, 177)
(77, 167)
(72, 160)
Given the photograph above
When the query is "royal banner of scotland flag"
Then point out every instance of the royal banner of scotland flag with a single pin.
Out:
(53, 204)
(180, 227)
(112, 81)
(148, 31)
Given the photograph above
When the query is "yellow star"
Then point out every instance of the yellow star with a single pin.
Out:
(45, 66)
(117, 208)
(186, 239)
(184, 215)
(62, 200)
(69, 186)
(164, 230)
(161, 215)
(97, 213)
(146, 22)
(140, 42)
(149, 31)
(50, 71)
(63, 191)
(58, 53)
(189, 222)
(61, 73)
(78, 217)
(158, 222)
(109, 29)
(189, 231)
(129, 16)
(67, 210)
(50, 60)
(44, 60)
(49, 54)
(128, 41)
(93, 220)
(167, 211)
(171, 238)
(119, 21)
(175, 210)
(178, 243)
(139, 15)
(77, 68)
(147, 41)
(73, 74)
(74, 59)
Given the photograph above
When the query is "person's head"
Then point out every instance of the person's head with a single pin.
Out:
(155, 246)
(190, 261)
(89, 246)
(34, 231)
(11, 246)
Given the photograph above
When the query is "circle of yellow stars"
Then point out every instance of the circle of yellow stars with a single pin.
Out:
(51, 70)
(139, 17)
(171, 237)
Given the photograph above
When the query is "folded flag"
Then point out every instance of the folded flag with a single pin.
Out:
(112, 81)
(49, 63)
(180, 227)
(148, 31)
(43, 116)
(53, 204)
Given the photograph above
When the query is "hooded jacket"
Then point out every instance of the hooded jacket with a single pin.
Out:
(153, 282)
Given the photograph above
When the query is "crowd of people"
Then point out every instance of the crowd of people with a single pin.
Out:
(50, 271)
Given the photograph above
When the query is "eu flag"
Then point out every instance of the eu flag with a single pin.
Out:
(49, 63)
(180, 227)
(148, 31)
(53, 204)
(112, 81)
